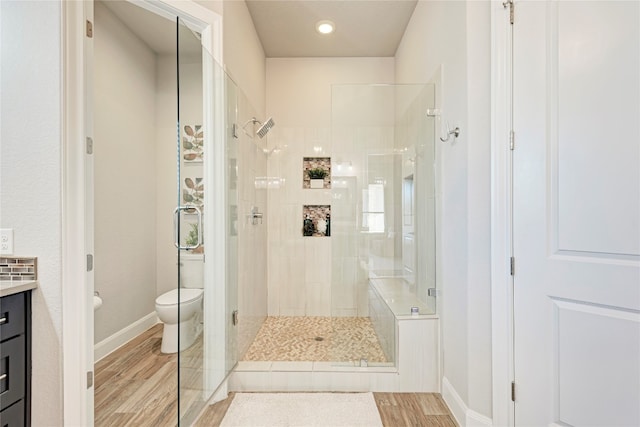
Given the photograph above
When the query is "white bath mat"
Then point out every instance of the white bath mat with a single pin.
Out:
(302, 409)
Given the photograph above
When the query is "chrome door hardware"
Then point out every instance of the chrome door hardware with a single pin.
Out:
(176, 225)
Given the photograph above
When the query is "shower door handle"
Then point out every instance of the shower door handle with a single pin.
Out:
(176, 226)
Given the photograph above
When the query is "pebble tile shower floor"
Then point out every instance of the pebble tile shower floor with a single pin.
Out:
(318, 339)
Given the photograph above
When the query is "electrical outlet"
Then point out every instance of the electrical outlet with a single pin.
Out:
(6, 241)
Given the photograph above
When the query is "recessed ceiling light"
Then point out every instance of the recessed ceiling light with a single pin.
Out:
(325, 27)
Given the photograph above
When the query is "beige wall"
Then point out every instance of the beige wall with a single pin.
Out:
(244, 59)
(125, 174)
(456, 36)
(299, 98)
(165, 156)
(31, 179)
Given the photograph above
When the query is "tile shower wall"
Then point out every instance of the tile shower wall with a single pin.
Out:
(250, 192)
(301, 270)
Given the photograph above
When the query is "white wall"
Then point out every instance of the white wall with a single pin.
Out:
(125, 174)
(30, 178)
(456, 35)
(479, 202)
(299, 98)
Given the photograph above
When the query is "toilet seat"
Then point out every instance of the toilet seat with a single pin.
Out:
(171, 298)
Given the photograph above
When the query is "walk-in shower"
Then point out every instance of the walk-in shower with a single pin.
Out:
(351, 297)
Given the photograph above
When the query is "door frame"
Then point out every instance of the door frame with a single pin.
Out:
(77, 188)
(502, 350)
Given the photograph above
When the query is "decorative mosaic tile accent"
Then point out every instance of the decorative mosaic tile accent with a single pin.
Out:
(320, 216)
(309, 163)
(18, 268)
(317, 339)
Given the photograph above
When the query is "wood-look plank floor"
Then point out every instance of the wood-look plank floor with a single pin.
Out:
(137, 385)
(396, 410)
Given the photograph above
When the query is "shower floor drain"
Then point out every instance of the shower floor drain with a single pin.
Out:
(319, 338)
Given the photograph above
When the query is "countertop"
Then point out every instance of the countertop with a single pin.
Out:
(10, 287)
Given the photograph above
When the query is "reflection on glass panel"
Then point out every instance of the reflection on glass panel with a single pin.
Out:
(192, 292)
(373, 208)
(383, 208)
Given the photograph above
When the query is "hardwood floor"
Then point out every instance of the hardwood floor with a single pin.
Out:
(413, 409)
(137, 386)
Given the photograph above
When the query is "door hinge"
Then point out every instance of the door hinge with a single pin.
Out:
(89, 379)
(234, 317)
(512, 263)
(509, 3)
(513, 391)
(89, 145)
(89, 29)
(89, 262)
(512, 140)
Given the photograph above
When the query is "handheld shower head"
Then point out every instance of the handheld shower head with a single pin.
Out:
(265, 128)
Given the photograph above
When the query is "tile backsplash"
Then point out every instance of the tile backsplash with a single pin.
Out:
(18, 268)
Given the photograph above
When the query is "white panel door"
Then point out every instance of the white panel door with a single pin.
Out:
(577, 213)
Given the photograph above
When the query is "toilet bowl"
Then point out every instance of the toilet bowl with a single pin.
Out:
(189, 297)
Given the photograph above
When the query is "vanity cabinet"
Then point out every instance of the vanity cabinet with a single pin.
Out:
(15, 360)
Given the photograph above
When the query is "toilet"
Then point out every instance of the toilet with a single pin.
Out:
(191, 296)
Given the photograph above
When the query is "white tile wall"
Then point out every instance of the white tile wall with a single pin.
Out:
(392, 119)
(252, 292)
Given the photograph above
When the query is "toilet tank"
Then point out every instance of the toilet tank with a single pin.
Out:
(191, 270)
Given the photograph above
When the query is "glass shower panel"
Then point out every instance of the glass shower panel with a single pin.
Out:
(421, 133)
(383, 221)
(231, 117)
(193, 385)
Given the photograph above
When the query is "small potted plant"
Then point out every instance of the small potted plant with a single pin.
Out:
(192, 239)
(316, 177)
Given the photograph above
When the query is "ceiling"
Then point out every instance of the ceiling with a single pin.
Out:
(363, 27)
(157, 32)
(287, 28)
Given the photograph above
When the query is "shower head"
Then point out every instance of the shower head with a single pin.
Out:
(265, 128)
(262, 130)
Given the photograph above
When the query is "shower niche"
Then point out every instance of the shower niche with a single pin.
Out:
(316, 172)
(316, 220)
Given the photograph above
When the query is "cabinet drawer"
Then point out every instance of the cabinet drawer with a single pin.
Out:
(12, 371)
(12, 316)
(13, 416)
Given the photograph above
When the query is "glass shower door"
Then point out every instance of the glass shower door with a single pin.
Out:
(193, 384)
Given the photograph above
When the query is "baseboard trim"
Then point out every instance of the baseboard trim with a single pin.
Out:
(478, 420)
(123, 336)
(464, 416)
